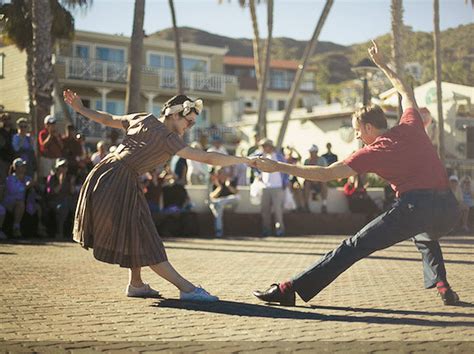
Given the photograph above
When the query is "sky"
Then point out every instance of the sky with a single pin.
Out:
(349, 22)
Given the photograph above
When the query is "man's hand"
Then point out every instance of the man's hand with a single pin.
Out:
(376, 55)
(73, 100)
(266, 165)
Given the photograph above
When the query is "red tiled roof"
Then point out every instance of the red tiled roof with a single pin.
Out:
(248, 61)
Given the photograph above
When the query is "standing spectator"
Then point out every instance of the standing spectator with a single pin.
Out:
(23, 146)
(224, 192)
(254, 149)
(60, 189)
(456, 189)
(292, 156)
(217, 145)
(468, 200)
(6, 148)
(72, 150)
(313, 188)
(3, 211)
(152, 191)
(273, 192)
(50, 146)
(15, 195)
(181, 171)
(100, 153)
(197, 171)
(358, 198)
(330, 156)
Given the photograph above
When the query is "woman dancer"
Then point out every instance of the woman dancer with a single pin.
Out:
(112, 214)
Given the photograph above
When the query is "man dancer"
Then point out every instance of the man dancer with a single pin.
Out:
(425, 210)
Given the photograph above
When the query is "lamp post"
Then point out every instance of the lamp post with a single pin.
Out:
(365, 69)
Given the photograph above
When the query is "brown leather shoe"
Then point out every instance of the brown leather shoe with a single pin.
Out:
(273, 294)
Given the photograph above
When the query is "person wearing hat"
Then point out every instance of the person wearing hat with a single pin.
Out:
(273, 196)
(23, 146)
(426, 208)
(112, 214)
(60, 188)
(50, 146)
(17, 184)
(315, 187)
(455, 186)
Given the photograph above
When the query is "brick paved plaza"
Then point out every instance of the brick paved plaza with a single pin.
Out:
(54, 295)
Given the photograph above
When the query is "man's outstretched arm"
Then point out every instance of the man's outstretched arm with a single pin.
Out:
(313, 173)
(408, 98)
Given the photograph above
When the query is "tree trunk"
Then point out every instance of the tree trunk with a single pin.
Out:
(177, 48)
(438, 79)
(397, 42)
(257, 51)
(262, 89)
(132, 96)
(295, 87)
(29, 81)
(42, 65)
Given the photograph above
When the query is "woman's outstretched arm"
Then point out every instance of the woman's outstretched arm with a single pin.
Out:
(211, 158)
(73, 100)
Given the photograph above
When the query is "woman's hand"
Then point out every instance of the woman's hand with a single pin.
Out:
(73, 100)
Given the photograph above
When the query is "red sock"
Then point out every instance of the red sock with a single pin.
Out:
(286, 287)
(442, 286)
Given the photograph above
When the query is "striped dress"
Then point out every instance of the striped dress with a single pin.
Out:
(112, 214)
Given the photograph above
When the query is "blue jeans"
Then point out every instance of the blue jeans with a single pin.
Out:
(425, 215)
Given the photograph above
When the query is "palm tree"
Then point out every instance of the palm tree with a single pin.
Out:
(17, 29)
(438, 79)
(397, 42)
(295, 87)
(132, 96)
(177, 48)
(257, 51)
(262, 89)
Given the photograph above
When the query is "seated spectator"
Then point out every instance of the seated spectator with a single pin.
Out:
(197, 171)
(101, 152)
(293, 157)
(181, 171)
(456, 189)
(313, 188)
(329, 155)
(358, 198)
(468, 200)
(60, 190)
(6, 148)
(72, 150)
(224, 193)
(50, 146)
(23, 146)
(152, 189)
(15, 194)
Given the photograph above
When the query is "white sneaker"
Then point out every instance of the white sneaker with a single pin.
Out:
(144, 291)
(198, 294)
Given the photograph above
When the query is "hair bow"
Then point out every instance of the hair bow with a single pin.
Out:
(188, 105)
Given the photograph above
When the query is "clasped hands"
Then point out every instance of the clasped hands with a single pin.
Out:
(262, 163)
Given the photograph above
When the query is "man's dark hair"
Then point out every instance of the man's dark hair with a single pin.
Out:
(371, 114)
(175, 100)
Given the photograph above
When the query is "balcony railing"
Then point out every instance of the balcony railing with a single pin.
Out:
(108, 71)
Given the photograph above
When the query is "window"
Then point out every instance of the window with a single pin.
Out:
(270, 105)
(81, 51)
(278, 79)
(168, 62)
(110, 54)
(281, 105)
(112, 106)
(2, 62)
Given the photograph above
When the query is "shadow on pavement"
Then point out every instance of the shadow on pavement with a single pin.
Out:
(233, 308)
(400, 312)
(298, 253)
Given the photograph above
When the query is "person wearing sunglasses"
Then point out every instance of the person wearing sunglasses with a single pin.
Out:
(112, 214)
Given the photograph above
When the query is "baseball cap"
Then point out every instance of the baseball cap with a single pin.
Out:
(19, 162)
(314, 148)
(454, 178)
(49, 119)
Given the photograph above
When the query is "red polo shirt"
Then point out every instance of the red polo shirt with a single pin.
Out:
(53, 149)
(404, 156)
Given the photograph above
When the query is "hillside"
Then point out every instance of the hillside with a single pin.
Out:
(333, 61)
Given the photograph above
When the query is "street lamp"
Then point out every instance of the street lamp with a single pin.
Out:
(365, 69)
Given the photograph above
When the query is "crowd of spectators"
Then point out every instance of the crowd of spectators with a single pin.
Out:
(39, 189)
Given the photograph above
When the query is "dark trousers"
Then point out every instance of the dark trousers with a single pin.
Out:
(425, 215)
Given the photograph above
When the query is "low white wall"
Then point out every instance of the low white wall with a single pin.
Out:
(336, 203)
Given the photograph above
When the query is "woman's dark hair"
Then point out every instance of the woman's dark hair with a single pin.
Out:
(173, 101)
